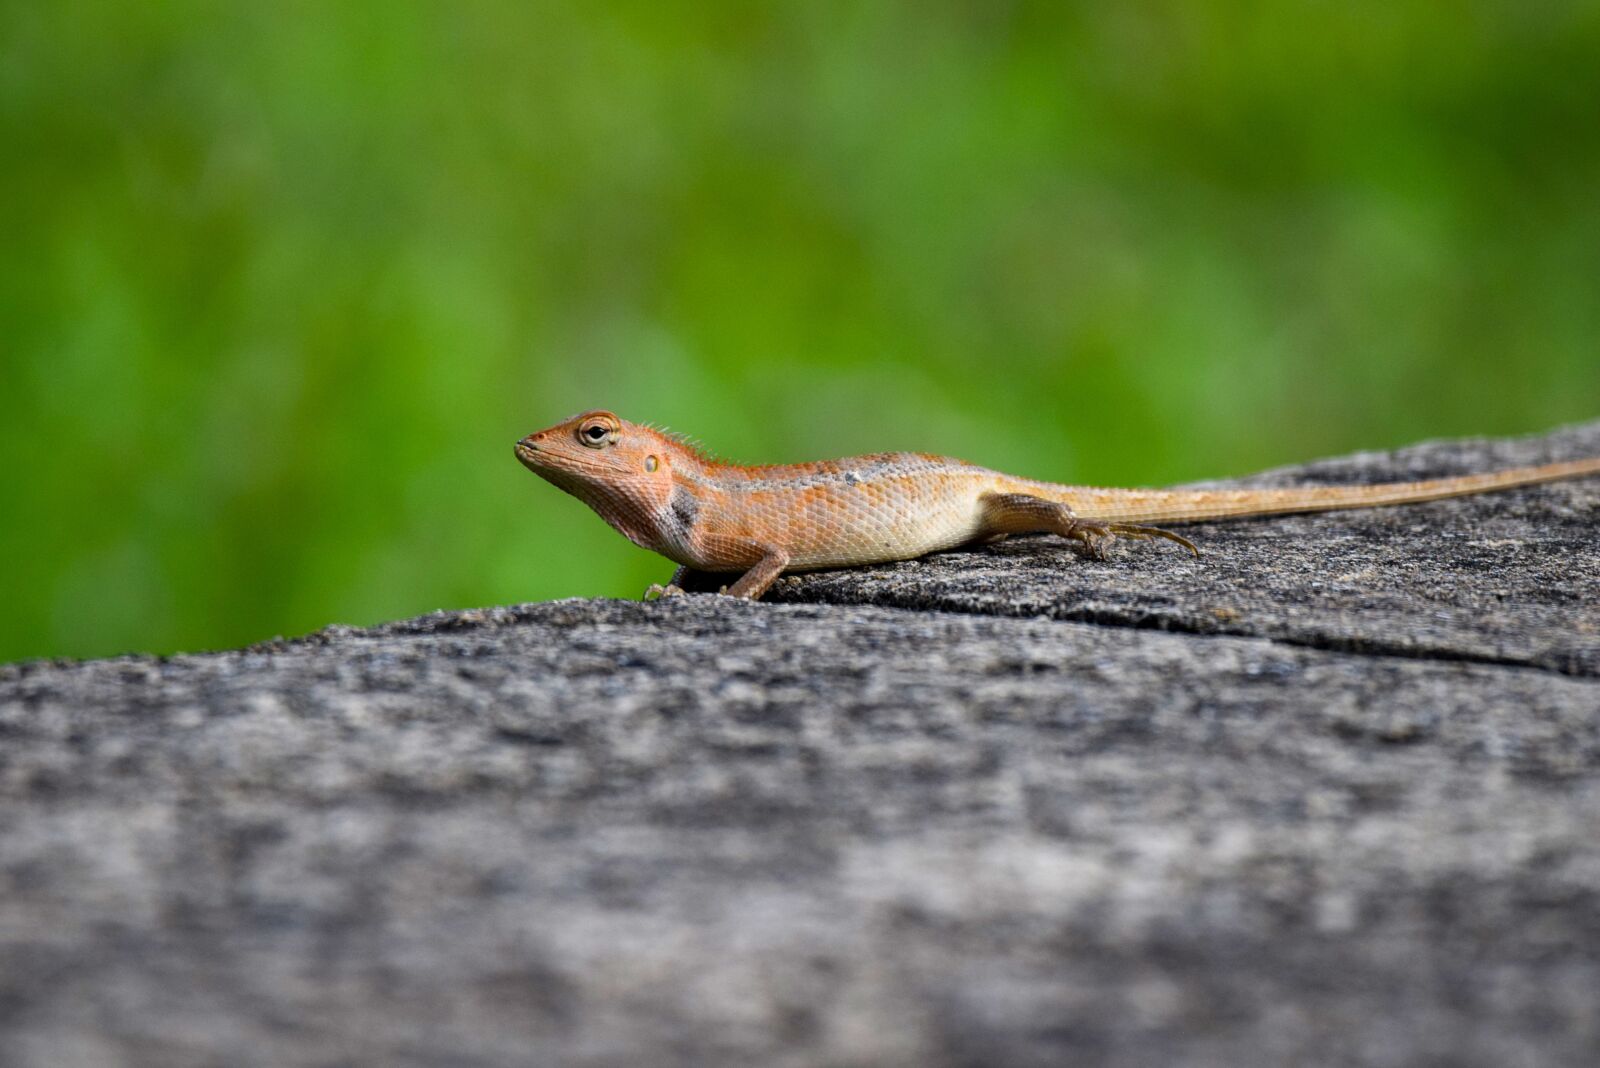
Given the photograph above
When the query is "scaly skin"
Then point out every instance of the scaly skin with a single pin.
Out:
(669, 497)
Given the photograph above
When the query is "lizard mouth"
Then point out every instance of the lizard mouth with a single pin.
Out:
(544, 462)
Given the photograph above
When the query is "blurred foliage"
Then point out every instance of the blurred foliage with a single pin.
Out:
(280, 283)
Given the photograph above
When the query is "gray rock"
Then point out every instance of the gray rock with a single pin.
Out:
(1327, 795)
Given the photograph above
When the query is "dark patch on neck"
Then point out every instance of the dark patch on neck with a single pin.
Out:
(685, 507)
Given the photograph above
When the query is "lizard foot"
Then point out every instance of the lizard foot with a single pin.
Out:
(656, 591)
(1095, 535)
(1020, 513)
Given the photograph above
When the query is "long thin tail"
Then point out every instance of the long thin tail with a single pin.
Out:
(1179, 506)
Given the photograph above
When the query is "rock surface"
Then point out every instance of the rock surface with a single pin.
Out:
(1328, 795)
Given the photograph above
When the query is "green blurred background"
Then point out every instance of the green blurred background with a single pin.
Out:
(280, 283)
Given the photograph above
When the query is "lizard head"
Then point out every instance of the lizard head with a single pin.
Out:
(620, 469)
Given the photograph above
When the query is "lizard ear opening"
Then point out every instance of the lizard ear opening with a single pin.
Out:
(651, 463)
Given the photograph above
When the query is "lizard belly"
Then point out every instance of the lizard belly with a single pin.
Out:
(866, 510)
(873, 524)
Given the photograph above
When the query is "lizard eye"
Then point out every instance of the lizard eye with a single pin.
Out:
(595, 435)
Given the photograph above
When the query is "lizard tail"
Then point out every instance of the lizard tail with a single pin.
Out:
(1180, 506)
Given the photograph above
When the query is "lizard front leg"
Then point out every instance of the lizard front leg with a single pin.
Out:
(759, 579)
(761, 563)
(676, 585)
(1023, 513)
(689, 579)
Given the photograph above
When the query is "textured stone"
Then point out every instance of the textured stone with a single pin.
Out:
(1326, 796)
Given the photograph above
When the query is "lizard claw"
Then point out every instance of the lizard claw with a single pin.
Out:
(1095, 536)
(1130, 531)
(656, 591)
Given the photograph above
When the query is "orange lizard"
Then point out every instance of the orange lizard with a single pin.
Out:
(666, 495)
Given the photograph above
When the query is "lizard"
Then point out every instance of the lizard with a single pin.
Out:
(665, 494)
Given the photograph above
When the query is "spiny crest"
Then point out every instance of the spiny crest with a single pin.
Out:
(692, 445)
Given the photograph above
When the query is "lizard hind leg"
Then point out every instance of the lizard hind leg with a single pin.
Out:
(1023, 513)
